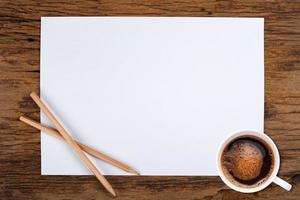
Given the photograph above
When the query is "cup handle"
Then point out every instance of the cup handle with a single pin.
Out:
(285, 185)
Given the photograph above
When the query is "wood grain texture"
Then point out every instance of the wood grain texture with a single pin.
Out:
(19, 75)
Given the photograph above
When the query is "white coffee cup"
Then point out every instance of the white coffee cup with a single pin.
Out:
(272, 178)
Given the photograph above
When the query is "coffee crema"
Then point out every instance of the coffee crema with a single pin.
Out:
(247, 161)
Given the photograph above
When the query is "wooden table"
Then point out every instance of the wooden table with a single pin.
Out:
(19, 75)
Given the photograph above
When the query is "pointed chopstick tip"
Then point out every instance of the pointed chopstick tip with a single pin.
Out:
(111, 191)
(132, 171)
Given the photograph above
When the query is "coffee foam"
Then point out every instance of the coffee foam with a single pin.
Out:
(244, 160)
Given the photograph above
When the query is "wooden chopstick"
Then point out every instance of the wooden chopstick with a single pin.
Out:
(87, 149)
(73, 144)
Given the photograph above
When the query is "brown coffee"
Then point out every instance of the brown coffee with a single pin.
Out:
(247, 161)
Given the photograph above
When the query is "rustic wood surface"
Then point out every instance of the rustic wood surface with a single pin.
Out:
(19, 75)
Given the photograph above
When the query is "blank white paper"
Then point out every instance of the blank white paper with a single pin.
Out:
(157, 93)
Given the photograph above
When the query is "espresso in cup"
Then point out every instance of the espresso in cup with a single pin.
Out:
(247, 161)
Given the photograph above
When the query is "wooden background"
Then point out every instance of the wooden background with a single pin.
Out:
(19, 75)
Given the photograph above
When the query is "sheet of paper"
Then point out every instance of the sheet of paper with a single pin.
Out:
(157, 93)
